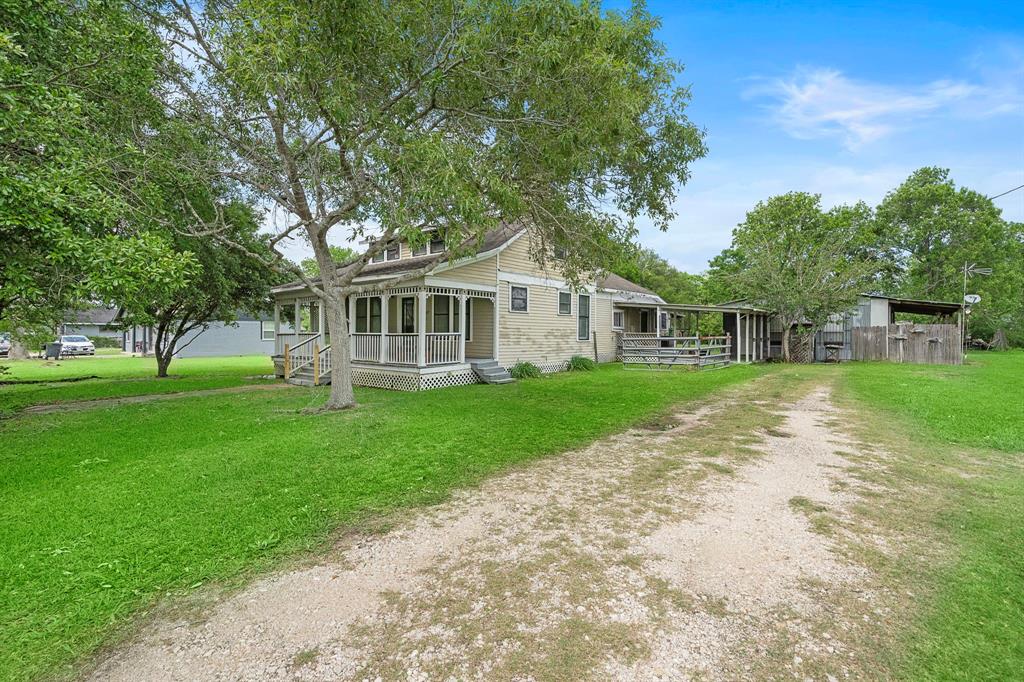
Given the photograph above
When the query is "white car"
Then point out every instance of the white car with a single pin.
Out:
(76, 345)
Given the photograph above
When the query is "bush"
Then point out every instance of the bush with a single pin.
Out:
(580, 363)
(525, 370)
(105, 342)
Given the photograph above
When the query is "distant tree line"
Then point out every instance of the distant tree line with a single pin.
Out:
(805, 262)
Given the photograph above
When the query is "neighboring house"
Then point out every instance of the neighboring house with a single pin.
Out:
(465, 320)
(247, 336)
(96, 322)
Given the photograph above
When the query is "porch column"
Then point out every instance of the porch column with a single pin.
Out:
(421, 329)
(351, 326)
(277, 328)
(657, 321)
(757, 336)
(736, 340)
(749, 333)
(462, 327)
(298, 320)
(321, 320)
(495, 306)
(385, 300)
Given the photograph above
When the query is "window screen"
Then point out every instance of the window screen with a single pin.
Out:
(519, 301)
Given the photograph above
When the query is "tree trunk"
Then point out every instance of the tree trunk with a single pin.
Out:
(18, 351)
(163, 361)
(163, 349)
(342, 397)
(785, 342)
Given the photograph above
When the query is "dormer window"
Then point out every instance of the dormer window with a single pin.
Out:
(420, 250)
(394, 252)
(436, 245)
(378, 257)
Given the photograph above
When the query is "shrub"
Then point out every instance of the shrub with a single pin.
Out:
(525, 370)
(579, 363)
(105, 342)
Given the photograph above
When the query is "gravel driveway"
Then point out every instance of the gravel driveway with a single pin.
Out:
(684, 549)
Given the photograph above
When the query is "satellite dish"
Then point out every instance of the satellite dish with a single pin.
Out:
(971, 299)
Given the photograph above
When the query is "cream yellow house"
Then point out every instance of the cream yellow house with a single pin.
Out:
(466, 321)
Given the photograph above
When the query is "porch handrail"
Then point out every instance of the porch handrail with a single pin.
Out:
(296, 360)
(443, 348)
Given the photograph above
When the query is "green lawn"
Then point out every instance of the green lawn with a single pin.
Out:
(104, 511)
(47, 382)
(965, 418)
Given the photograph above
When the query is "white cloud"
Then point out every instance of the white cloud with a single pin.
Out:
(822, 102)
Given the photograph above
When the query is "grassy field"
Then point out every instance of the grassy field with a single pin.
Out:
(104, 511)
(38, 382)
(964, 472)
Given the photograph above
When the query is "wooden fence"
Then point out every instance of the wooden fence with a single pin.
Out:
(652, 351)
(923, 344)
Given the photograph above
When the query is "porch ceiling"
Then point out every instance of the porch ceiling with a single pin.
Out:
(690, 308)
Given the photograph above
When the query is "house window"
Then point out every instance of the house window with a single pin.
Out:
(375, 316)
(420, 250)
(409, 315)
(394, 252)
(436, 245)
(442, 314)
(267, 330)
(583, 317)
(564, 303)
(367, 315)
(361, 306)
(559, 252)
(617, 319)
(519, 299)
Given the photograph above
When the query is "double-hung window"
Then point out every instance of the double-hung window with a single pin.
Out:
(564, 303)
(436, 245)
(617, 319)
(519, 299)
(583, 317)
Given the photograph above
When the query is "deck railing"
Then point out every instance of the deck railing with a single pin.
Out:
(299, 355)
(443, 349)
(366, 347)
(401, 349)
(664, 352)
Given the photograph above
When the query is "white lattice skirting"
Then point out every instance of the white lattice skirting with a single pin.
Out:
(409, 381)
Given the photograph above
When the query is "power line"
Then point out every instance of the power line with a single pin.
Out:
(1007, 192)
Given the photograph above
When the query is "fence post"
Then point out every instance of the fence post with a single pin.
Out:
(316, 364)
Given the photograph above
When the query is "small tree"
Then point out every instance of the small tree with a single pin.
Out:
(800, 262)
(223, 282)
(392, 120)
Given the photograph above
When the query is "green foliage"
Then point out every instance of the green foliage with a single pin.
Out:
(93, 532)
(76, 87)
(339, 254)
(580, 363)
(105, 342)
(930, 228)
(646, 268)
(799, 261)
(525, 370)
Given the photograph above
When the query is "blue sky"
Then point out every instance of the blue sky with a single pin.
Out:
(842, 99)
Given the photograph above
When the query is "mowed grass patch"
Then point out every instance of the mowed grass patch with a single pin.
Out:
(961, 470)
(980, 404)
(107, 510)
(39, 382)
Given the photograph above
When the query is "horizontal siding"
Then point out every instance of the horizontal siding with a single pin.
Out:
(516, 259)
(544, 337)
(481, 345)
(481, 272)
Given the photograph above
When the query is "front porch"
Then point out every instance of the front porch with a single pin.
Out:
(405, 338)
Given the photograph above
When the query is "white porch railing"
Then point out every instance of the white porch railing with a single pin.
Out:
(299, 355)
(443, 349)
(401, 349)
(366, 347)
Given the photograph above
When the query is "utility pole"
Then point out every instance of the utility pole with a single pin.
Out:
(969, 269)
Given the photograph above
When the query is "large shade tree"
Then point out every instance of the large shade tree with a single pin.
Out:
(799, 261)
(77, 85)
(930, 228)
(393, 120)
